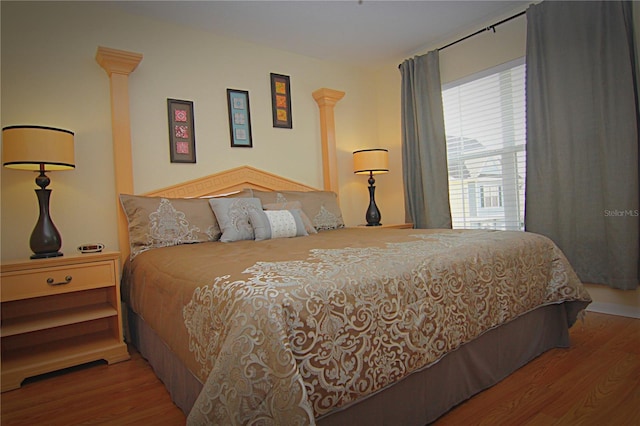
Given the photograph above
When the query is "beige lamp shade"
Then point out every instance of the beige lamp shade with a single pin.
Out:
(366, 161)
(29, 147)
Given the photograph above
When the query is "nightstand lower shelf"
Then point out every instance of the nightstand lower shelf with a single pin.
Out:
(43, 321)
(19, 364)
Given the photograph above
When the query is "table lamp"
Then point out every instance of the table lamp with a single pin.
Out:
(39, 149)
(372, 162)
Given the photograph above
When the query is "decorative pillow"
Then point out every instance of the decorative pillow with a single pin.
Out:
(308, 226)
(160, 222)
(320, 206)
(277, 224)
(233, 217)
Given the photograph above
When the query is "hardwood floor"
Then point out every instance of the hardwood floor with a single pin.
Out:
(127, 393)
(595, 382)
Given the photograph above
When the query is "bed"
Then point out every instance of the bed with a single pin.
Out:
(330, 325)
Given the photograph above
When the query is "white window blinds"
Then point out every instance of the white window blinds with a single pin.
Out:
(485, 126)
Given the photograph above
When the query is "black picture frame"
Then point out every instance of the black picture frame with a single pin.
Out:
(239, 118)
(281, 101)
(182, 138)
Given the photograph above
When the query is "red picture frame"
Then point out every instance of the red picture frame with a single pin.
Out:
(182, 140)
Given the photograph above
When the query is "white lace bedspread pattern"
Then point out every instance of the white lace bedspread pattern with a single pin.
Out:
(301, 338)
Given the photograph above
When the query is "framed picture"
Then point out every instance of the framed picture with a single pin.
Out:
(281, 101)
(239, 118)
(182, 140)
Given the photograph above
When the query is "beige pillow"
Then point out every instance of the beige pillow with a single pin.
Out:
(290, 205)
(161, 222)
(321, 207)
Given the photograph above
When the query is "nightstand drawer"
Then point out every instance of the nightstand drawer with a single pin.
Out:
(55, 280)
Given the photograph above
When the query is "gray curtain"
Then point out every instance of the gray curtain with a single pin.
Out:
(424, 144)
(582, 137)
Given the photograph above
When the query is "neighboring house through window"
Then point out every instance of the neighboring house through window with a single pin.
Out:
(485, 126)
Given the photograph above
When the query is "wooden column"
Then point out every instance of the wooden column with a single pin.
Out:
(119, 64)
(326, 100)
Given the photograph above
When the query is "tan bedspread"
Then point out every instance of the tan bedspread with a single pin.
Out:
(284, 331)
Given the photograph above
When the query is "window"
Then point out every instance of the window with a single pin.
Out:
(490, 196)
(484, 118)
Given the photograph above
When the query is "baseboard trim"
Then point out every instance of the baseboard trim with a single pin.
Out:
(614, 309)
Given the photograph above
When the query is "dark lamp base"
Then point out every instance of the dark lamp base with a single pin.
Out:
(46, 255)
(373, 215)
(45, 239)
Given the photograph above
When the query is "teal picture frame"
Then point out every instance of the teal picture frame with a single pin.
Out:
(239, 118)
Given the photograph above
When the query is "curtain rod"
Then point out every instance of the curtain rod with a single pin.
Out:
(489, 28)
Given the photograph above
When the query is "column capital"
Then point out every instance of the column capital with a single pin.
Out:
(327, 97)
(117, 61)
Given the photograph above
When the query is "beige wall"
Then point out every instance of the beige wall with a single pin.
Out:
(50, 77)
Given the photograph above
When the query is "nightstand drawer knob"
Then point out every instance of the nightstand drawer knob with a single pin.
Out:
(67, 280)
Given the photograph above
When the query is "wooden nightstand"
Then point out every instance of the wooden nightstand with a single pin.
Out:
(58, 313)
(393, 225)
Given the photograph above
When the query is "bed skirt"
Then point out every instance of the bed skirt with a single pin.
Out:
(421, 397)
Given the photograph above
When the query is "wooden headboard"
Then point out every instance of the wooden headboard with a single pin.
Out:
(230, 181)
(119, 64)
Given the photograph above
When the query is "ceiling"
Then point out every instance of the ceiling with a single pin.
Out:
(366, 32)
